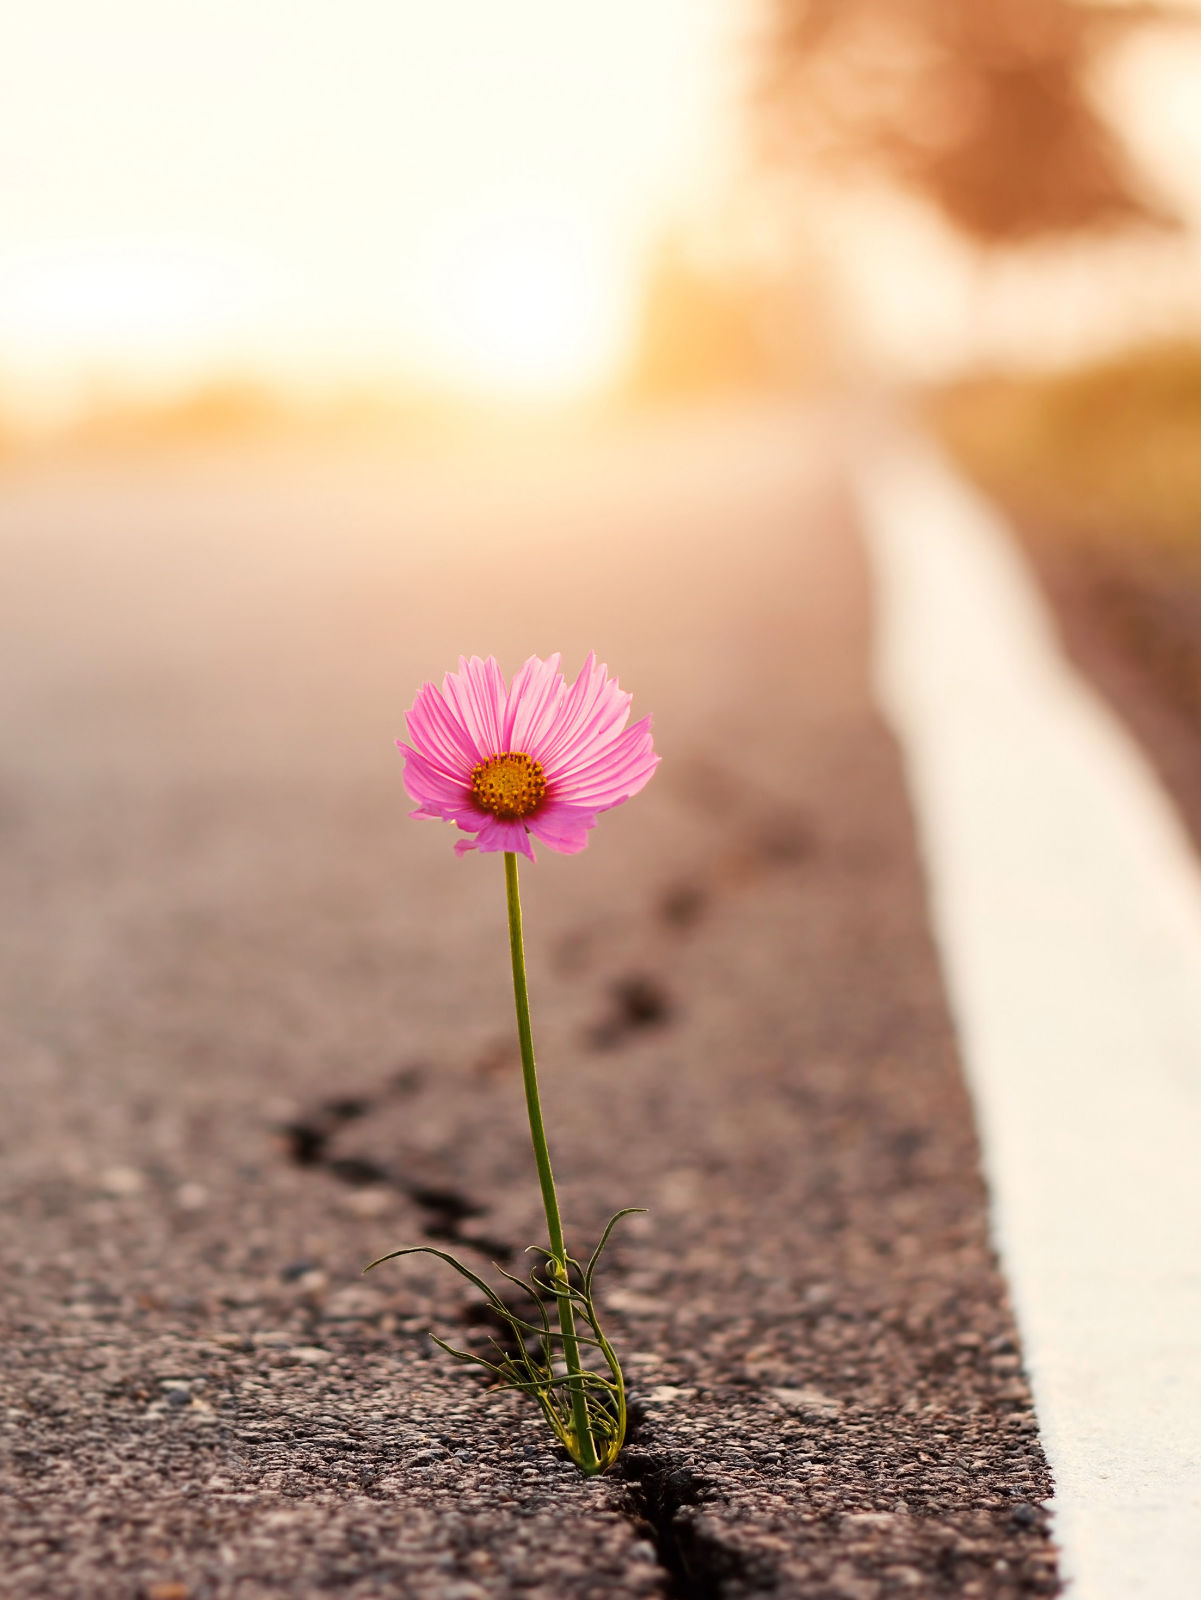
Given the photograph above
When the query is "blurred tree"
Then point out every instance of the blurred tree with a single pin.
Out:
(981, 105)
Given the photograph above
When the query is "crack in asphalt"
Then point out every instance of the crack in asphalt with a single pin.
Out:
(307, 1142)
(660, 1495)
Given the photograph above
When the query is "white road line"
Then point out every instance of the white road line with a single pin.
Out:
(1066, 902)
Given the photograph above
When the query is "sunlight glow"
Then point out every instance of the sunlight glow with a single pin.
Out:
(106, 300)
(522, 307)
(313, 196)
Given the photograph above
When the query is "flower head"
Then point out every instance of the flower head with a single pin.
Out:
(539, 758)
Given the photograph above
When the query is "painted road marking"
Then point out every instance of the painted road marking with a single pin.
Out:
(1066, 902)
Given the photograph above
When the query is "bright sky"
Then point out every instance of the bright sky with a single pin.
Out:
(294, 188)
(463, 190)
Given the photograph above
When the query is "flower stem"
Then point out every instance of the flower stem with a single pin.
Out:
(587, 1459)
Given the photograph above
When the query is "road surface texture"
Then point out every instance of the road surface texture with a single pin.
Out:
(256, 1029)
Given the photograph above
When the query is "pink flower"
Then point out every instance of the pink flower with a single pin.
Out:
(539, 758)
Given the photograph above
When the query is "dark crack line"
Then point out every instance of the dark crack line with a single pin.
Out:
(661, 1492)
(444, 1209)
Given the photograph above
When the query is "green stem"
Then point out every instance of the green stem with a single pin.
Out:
(571, 1349)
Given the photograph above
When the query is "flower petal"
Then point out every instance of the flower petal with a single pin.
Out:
(612, 774)
(533, 704)
(593, 709)
(497, 835)
(438, 733)
(563, 828)
(476, 693)
(431, 787)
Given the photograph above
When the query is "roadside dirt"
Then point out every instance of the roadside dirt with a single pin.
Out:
(1130, 618)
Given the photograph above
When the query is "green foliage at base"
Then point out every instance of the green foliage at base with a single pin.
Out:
(534, 1362)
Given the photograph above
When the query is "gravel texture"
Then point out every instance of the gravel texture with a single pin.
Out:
(257, 1029)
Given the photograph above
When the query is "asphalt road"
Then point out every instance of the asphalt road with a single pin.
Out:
(255, 1029)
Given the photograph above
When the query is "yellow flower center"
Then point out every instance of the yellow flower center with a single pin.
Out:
(509, 785)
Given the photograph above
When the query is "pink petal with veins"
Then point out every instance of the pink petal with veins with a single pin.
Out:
(476, 695)
(563, 828)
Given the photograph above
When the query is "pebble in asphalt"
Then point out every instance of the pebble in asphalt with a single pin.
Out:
(221, 930)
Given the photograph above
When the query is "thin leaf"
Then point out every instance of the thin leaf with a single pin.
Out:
(627, 1211)
(451, 1261)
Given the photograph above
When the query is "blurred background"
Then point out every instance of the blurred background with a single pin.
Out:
(288, 230)
(296, 228)
(219, 216)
